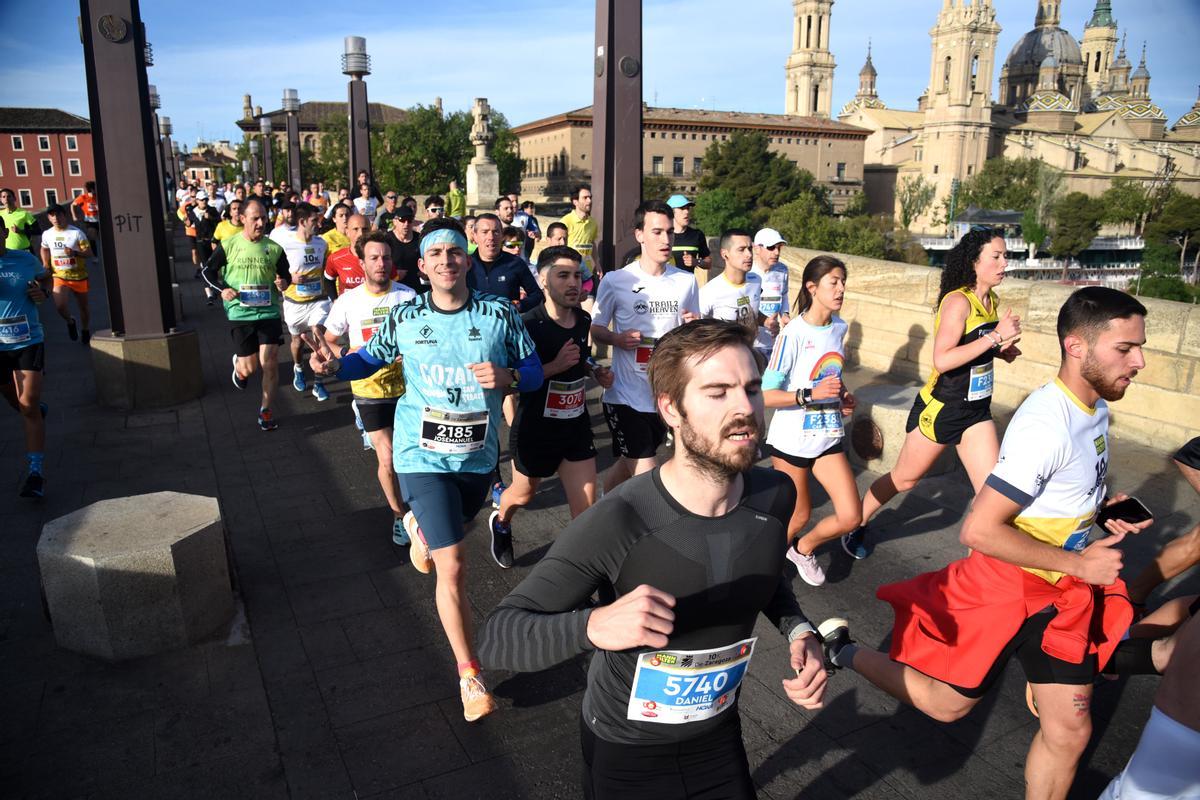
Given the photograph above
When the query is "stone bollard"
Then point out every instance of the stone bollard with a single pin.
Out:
(877, 428)
(135, 576)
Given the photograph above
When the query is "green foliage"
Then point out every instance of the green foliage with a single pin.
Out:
(759, 179)
(1125, 202)
(1165, 287)
(656, 187)
(915, 195)
(1003, 183)
(1076, 223)
(856, 206)
(332, 161)
(804, 224)
(1033, 231)
(1176, 226)
(716, 211)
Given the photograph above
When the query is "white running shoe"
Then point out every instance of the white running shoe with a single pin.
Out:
(807, 566)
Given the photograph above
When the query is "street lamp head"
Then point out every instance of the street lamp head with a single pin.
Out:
(291, 101)
(355, 60)
(154, 101)
(264, 125)
(254, 147)
(164, 125)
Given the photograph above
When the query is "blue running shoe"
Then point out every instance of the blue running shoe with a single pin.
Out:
(855, 543)
(399, 535)
(298, 382)
(497, 490)
(320, 393)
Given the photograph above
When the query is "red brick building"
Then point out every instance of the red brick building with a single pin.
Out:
(45, 155)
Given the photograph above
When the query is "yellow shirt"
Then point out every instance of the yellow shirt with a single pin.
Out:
(336, 241)
(581, 234)
(225, 229)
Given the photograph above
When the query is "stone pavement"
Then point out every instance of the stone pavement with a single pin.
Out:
(335, 680)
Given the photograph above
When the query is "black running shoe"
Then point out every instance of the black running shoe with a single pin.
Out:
(72, 329)
(835, 634)
(855, 543)
(502, 549)
(34, 486)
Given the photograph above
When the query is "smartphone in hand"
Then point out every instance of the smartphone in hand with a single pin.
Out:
(1129, 510)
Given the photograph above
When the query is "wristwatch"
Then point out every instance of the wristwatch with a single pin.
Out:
(803, 397)
(516, 377)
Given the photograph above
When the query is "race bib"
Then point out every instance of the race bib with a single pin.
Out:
(1078, 539)
(641, 356)
(770, 304)
(980, 386)
(63, 262)
(255, 295)
(309, 288)
(676, 687)
(564, 399)
(823, 421)
(14, 330)
(367, 327)
(453, 432)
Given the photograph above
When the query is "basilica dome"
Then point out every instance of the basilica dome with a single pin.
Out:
(1040, 43)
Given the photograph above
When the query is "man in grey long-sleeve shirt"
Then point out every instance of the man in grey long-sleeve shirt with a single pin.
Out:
(684, 558)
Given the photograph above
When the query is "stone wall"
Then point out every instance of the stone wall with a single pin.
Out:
(889, 310)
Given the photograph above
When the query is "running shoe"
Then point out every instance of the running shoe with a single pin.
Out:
(399, 535)
(497, 490)
(298, 382)
(502, 549)
(238, 381)
(72, 329)
(34, 485)
(357, 419)
(855, 543)
(320, 393)
(85, 337)
(807, 566)
(476, 699)
(835, 634)
(418, 553)
(266, 420)
(367, 443)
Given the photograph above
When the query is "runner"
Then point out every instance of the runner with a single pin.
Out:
(336, 238)
(773, 305)
(435, 207)
(954, 407)
(642, 302)
(462, 350)
(804, 382)
(19, 222)
(581, 234)
(526, 220)
(556, 235)
(230, 226)
(23, 284)
(494, 271)
(684, 559)
(251, 273)
(305, 301)
(406, 250)
(734, 295)
(344, 267)
(85, 210)
(1180, 554)
(1032, 586)
(383, 218)
(365, 203)
(204, 220)
(356, 315)
(552, 431)
(65, 251)
(456, 201)
(691, 246)
(284, 225)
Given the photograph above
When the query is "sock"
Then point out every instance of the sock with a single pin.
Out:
(35, 462)
(468, 669)
(844, 657)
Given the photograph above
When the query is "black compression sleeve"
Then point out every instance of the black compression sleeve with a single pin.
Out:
(784, 610)
(212, 268)
(282, 270)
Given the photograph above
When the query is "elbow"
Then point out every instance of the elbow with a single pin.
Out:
(970, 535)
(940, 363)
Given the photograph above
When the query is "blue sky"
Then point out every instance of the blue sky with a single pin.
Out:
(531, 58)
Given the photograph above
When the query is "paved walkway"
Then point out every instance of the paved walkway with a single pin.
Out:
(335, 681)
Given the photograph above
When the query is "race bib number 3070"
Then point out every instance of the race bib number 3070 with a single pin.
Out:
(674, 687)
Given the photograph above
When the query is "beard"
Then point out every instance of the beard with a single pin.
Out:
(706, 455)
(1106, 387)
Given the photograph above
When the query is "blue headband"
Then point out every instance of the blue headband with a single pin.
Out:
(443, 236)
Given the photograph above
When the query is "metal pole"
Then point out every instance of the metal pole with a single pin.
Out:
(357, 64)
(616, 127)
(291, 104)
(133, 239)
(264, 125)
(254, 159)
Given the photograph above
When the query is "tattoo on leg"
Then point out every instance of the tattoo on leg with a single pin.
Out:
(1082, 703)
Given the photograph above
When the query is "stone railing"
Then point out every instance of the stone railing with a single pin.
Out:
(889, 308)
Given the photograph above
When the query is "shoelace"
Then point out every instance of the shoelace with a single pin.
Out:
(473, 687)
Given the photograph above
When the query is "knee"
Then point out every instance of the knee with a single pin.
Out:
(849, 519)
(1068, 736)
(29, 410)
(904, 483)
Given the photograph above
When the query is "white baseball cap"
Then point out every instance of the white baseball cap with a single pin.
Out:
(201, 195)
(768, 237)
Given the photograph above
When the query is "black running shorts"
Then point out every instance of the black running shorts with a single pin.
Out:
(248, 335)
(945, 423)
(1038, 665)
(24, 359)
(635, 434)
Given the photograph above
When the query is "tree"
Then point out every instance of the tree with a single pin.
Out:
(1125, 203)
(717, 211)
(915, 195)
(656, 187)
(1177, 225)
(1003, 183)
(1076, 223)
(804, 224)
(1034, 232)
(759, 179)
(856, 206)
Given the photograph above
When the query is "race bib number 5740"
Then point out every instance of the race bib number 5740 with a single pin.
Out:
(674, 687)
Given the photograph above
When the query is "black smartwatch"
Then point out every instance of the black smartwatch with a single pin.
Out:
(803, 397)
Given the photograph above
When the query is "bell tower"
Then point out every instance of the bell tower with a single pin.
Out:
(809, 70)
(1098, 46)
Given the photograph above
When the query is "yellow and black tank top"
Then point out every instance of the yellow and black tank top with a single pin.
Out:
(970, 384)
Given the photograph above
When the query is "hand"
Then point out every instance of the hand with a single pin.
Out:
(322, 359)
(688, 316)
(568, 356)
(490, 376)
(807, 689)
(604, 376)
(1121, 526)
(280, 283)
(772, 324)
(642, 618)
(1100, 562)
(35, 292)
(827, 388)
(1009, 327)
(849, 402)
(228, 294)
(1010, 351)
(689, 260)
(629, 340)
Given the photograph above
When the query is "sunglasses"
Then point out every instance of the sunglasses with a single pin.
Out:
(512, 244)
(436, 210)
(390, 197)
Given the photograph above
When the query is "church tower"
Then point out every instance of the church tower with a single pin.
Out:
(809, 70)
(1098, 45)
(958, 103)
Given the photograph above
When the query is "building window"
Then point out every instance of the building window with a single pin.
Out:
(693, 137)
(974, 70)
(970, 169)
(672, 136)
(935, 169)
(43, 143)
(26, 198)
(18, 143)
(73, 167)
(19, 167)
(51, 197)
(652, 134)
(76, 192)
(704, 137)
(697, 166)
(72, 143)
(656, 165)
(841, 171)
(47, 167)
(946, 76)
(677, 166)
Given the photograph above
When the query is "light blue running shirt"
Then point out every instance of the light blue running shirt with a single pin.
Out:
(20, 324)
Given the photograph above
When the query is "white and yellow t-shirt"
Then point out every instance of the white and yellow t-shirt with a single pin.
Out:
(1053, 462)
(720, 299)
(68, 252)
(357, 314)
(306, 262)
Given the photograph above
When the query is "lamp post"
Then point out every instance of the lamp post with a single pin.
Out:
(291, 104)
(357, 64)
(253, 160)
(165, 146)
(264, 125)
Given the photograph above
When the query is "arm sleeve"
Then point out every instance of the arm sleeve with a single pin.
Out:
(214, 265)
(1032, 451)
(784, 610)
(281, 267)
(533, 292)
(705, 300)
(358, 365)
(531, 373)
(704, 251)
